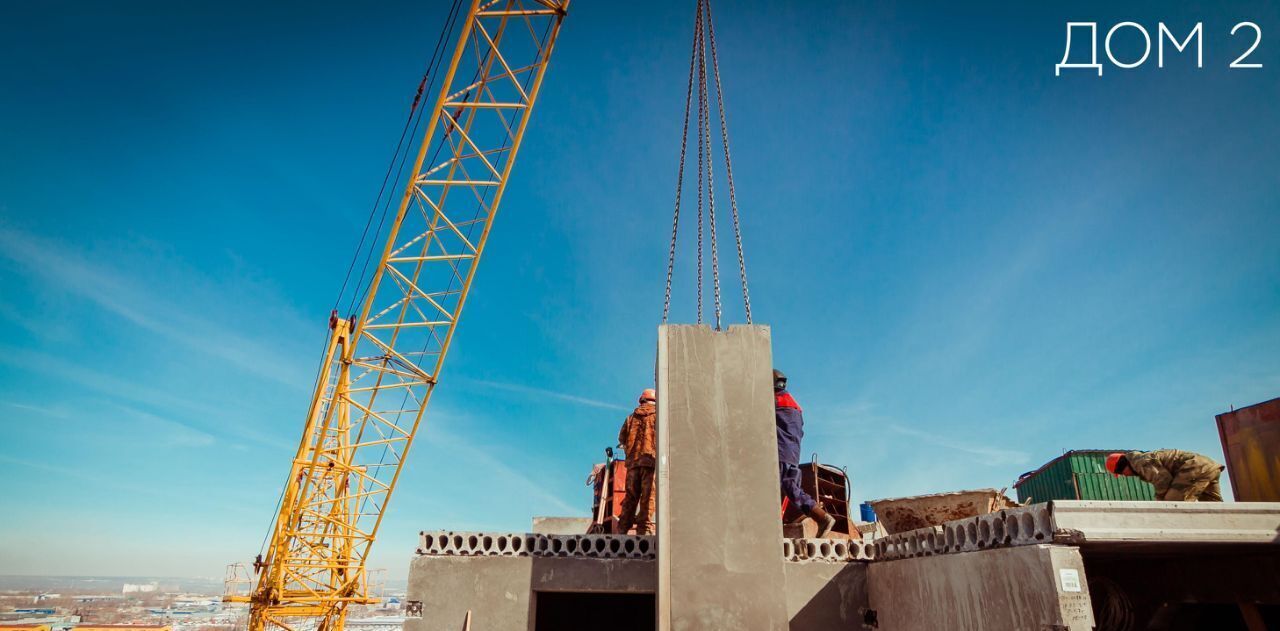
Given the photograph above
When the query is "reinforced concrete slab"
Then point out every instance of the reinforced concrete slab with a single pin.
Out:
(1129, 527)
(1041, 587)
(454, 543)
(719, 531)
(1092, 522)
(501, 591)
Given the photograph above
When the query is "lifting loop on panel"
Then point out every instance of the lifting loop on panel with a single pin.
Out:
(704, 40)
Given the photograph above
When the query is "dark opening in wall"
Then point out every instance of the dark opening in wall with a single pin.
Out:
(1184, 588)
(571, 611)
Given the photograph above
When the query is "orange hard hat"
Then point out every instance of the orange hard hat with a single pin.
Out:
(648, 395)
(1113, 463)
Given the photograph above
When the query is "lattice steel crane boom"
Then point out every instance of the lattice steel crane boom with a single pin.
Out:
(382, 363)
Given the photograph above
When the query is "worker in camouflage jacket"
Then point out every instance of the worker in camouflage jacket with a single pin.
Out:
(637, 439)
(1178, 476)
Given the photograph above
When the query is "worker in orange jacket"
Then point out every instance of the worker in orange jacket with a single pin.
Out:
(638, 440)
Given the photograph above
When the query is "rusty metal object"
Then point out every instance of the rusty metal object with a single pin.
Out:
(1251, 439)
(901, 514)
(598, 526)
(829, 486)
(608, 481)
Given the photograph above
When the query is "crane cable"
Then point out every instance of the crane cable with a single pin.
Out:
(481, 206)
(704, 33)
(401, 153)
(415, 117)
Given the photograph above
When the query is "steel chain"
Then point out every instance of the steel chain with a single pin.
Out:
(702, 96)
(728, 164)
(705, 121)
(706, 173)
(684, 144)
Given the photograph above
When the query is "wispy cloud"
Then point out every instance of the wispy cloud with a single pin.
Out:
(127, 297)
(861, 418)
(36, 408)
(171, 432)
(540, 392)
(991, 454)
(133, 394)
(501, 474)
(44, 328)
(92, 477)
(947, 327)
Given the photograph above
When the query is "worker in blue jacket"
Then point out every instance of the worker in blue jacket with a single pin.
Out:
(790, 421)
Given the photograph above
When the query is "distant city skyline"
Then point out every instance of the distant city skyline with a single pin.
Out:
(969, 264)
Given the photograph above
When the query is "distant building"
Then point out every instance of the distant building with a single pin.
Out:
(25, 627)
(122, 627)
(145, 588)
(11, 620)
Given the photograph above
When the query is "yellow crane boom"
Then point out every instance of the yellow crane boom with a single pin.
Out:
(381, 366)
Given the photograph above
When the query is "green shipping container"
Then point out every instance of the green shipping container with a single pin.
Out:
(1080, 475)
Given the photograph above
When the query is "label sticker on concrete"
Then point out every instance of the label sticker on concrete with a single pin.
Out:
(1070, 580)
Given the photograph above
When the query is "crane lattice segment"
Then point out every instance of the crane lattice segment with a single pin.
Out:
(382, 364)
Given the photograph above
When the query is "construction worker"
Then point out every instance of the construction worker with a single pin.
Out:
(790, 421)
(637, 439)
(1179, 476)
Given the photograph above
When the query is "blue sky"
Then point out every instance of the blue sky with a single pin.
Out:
(969, 265)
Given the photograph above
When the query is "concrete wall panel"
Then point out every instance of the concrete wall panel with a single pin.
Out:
(500, 590)
(1040, 587)
(826, 596)
(495, 590)
(719, 529)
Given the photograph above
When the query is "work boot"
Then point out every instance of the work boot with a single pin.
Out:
(825, 521)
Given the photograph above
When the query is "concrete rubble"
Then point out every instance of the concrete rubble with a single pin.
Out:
(901, 514)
